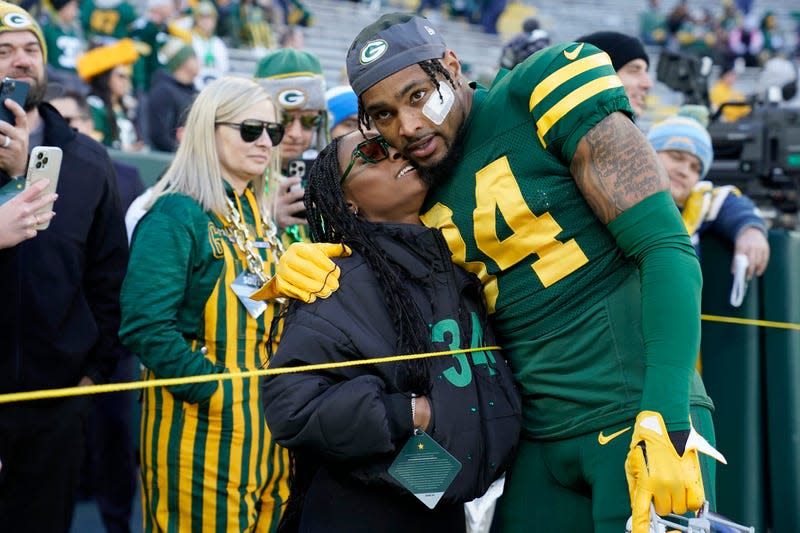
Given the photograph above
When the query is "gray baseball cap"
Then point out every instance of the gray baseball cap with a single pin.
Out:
(390, 44)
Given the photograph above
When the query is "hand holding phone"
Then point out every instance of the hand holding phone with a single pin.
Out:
(299, 168)
(16, 90)
(45, 162)
(16, 222)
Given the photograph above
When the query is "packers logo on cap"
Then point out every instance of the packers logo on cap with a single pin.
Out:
(292, 98)
(372, 51)
(17, 21)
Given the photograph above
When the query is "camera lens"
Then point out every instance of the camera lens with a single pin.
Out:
(44, 161)
(39, 155)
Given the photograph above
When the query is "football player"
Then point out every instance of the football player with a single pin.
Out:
(544, 187)
(547, 191)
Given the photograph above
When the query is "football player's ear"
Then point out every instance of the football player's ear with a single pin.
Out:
(453, 65)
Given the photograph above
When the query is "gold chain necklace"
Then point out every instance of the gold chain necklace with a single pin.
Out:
(237, 232)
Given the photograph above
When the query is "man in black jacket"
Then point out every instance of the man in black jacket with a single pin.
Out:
(171, 93)
(60, 297)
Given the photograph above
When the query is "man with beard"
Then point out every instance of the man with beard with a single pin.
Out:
(60, 312)
(544, 188)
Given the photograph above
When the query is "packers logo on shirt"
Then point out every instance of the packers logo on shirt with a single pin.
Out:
(16, 21)
(216, 238)
(372, 51)
(292, 98)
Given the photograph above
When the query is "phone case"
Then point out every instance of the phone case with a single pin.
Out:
(17, 91)
(45, 162)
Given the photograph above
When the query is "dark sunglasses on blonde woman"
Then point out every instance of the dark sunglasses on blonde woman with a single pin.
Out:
(250, 130)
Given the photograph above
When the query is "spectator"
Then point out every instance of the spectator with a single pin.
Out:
(724, 91)
(731, 17)
(342, 105)
(523, 45)
(676, 20)
(107, 70)
(256, 22)
(209, 49)
(72, 106)
(367, 196)
(630, 61)
(774, 40)
(63, 35)
(187, 312)
(60, 317)
(172, 93)
(684, 148)
(294, 79)
(652, 24)
(102, 19)
(151, 32)
(110, 470)
(292, 37)
(746, 41)
(19, 213)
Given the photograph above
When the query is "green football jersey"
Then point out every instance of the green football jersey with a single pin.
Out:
(512, 214)
(64, 44)
(106, 20)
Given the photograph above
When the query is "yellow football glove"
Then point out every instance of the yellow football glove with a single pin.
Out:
(304, 272)
(656, 473)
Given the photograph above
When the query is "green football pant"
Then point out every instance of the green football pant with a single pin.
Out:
(578, 484)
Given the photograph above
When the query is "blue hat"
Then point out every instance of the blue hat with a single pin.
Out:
(342, 103)
(684, 134)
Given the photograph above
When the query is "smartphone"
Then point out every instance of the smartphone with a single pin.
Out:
(298, 167)
(17, 90)
(45, 162)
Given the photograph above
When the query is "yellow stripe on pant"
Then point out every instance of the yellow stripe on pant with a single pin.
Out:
(212, 466)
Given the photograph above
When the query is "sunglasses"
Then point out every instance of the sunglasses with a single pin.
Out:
(371, 151)
(250, 130)
(308, 122)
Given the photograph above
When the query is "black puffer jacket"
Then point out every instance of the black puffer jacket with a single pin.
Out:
(355, 419)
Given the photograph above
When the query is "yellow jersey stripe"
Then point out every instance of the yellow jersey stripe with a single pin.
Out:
(554, 80)
(572, 100)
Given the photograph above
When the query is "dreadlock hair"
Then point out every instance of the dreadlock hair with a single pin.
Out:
(330, 220)
(431, 67)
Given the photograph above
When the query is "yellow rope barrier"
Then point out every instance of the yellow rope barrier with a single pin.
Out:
(134, 385)
(751, 322)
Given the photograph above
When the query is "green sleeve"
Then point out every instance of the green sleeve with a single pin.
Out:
(652, 233)
(153, 297)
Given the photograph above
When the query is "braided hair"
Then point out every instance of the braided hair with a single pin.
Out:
(331, 220)
(431, 67)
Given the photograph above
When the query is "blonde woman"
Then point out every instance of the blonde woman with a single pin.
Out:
(206, 243)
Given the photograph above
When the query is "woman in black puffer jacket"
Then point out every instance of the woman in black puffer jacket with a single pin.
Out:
(399, 294)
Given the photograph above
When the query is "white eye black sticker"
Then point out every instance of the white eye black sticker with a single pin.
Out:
(437, 107)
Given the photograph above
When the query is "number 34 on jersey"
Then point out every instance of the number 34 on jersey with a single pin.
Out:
(533, 237)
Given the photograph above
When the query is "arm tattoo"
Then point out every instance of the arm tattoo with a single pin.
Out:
(615, 167)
